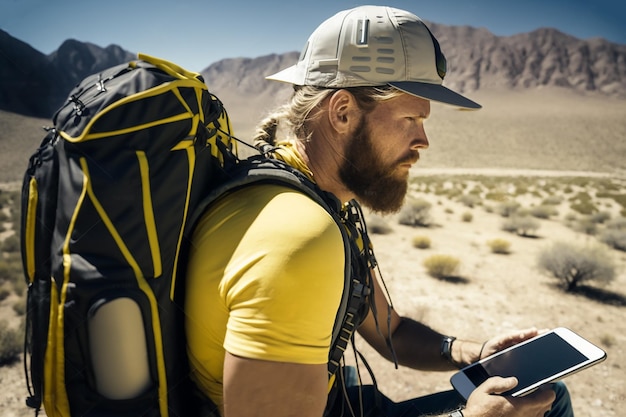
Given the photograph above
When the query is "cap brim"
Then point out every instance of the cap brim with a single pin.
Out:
(437, 93)
(293, 75)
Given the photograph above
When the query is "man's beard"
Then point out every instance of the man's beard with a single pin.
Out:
(365, 174)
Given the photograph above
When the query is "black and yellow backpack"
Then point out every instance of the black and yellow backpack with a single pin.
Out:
(108, 201)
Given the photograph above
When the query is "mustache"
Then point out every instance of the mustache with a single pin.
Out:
(411, 158)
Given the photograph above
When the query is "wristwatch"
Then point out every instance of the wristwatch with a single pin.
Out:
(456, 413)
(446, 347)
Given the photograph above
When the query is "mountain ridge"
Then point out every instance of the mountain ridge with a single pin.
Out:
(35, 84)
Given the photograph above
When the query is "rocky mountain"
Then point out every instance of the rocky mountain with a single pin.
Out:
(35, 84)
(478, 59)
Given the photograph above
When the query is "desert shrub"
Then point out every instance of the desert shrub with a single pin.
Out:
(608, 340)
(573, 265)
(441, 266)
(500, 246)
(11, 270)
(543, 212)
(571, 217)
(508, 208)
(469, 200)
(615, 238)
(521, 225)
(496, 196)
(11, 343)
(415, 213)
(600, 217)
(586, 226)
(378, 225)
(476, 190)
(11, 244)
(467, 217)
(619, 198)
(19, 306)
(617, 224)
(553, 200)
(5, 199)
(421, 242)
(5, 291)
(584, 207)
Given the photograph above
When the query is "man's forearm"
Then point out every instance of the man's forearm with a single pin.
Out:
(418, 346)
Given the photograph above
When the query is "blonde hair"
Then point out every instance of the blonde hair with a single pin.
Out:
(297, 113)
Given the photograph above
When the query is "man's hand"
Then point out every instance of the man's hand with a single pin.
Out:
(486, 400)
(499, 343)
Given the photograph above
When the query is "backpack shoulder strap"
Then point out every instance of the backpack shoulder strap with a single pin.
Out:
(262, 170)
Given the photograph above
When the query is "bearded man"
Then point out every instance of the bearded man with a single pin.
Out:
(267, 276)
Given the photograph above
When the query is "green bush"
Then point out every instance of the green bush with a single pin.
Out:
(421, 242)
(521, 225)
(573, 265)
(441, 266)
(500, 246)
(11, 343)
(415, 213)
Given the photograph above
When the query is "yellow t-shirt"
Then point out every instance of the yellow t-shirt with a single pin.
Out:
(265, 280)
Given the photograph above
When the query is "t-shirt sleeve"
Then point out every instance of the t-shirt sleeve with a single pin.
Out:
(283, 285)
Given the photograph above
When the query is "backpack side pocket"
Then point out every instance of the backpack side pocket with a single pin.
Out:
(38, 200)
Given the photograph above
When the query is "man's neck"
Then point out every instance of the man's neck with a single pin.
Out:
(324, 163)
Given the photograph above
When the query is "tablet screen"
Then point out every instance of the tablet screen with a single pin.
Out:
(530, 363)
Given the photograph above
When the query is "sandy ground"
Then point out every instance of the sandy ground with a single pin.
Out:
(497, 293)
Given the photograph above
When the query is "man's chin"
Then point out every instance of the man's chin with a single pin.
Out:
(386, 201)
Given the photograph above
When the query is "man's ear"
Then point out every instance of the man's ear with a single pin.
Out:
(343, 112)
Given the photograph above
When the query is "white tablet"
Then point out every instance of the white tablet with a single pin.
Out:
(545, 358)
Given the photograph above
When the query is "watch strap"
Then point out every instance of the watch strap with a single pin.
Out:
(446, 347)
(456, 413)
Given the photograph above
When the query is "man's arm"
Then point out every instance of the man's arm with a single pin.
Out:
(416, 345)
(263, 388)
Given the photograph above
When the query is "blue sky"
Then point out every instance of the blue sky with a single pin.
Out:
(196, 33)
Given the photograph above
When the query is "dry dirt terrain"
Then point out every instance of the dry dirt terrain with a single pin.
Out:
(529, 156)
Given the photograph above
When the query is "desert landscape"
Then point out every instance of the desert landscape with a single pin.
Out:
(531, 149)
(548, 146)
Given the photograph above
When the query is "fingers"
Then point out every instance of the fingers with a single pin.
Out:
(538, 403)
(508, 339)
(498, 385)
(518, 336)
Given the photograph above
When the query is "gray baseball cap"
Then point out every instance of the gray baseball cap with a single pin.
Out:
(373, 46)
